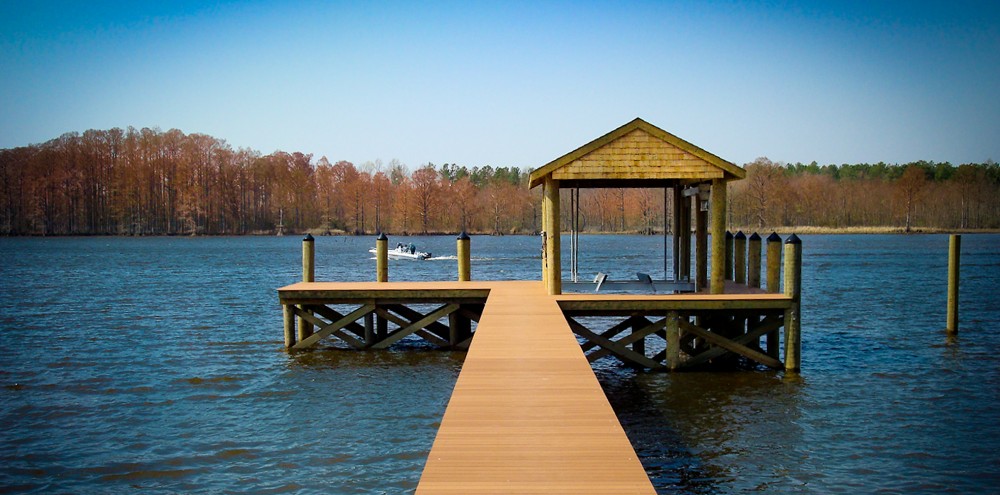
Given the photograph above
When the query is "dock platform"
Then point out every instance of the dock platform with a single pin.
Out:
(527, 414)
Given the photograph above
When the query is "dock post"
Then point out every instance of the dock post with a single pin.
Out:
(793, 289)
(289, 317)
(381, 258)
(700, 248)
(673, 341)
(730, 247)
(773, 284)
(773, 262)
(308, 275)
(740, 261)
(464, 266)
(954, 255)
(718, 207)
(550, 211)
(753, 261)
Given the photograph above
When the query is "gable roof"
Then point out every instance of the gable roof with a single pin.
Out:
(637, 151)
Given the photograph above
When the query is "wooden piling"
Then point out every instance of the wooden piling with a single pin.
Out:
(673, 341)
(382, 258)
(685, 238)
(718, 198)
(740, 257)
(773, 285)
(954, 255)
(793, 289)
(464, 257)
(289, 319)
(753, 261)
(550, 210)
(773, 262)
(700, 248)
(730, 247)
(639, 345)
(308, 275)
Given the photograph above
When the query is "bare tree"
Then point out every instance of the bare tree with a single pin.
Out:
(909, 188)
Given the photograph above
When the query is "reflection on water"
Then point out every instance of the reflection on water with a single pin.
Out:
(156, 364)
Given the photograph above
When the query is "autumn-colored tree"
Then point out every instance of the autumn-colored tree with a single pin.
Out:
(909, 188)
(463, 194)
(762, 180)
(425, 189)
(382, 197)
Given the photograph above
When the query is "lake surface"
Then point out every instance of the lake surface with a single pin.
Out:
(156, 365)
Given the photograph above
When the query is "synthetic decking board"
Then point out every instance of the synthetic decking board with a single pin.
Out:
(527, 414)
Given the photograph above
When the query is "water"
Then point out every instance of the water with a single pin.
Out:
(156, 364)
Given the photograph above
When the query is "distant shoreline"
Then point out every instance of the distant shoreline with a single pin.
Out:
(803, 230)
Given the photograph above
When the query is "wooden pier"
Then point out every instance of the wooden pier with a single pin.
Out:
(527, 414)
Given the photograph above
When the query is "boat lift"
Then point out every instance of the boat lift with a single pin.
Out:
(680, 268)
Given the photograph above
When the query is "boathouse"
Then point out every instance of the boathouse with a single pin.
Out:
(639, 154)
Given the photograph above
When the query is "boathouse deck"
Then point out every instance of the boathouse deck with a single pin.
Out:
(527, 414)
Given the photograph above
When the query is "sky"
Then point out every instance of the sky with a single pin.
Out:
(513, 83)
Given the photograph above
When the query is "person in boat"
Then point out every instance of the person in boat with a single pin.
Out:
(399, 246)
(412, 248)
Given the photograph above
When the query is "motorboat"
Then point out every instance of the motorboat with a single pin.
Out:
(404, 252)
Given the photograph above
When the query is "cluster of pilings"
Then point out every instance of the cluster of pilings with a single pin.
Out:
(743, 267)
(743, 260)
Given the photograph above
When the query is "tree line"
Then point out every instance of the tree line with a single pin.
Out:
(150, 182)
(918, 194)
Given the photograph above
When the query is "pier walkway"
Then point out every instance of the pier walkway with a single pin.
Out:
(527, 414)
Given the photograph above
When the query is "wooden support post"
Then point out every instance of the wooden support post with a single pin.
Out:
(718, 198)
(753, 261)
(740, 257)
(774, 263)
(753, 278)
(464, 257)
(381, 258)
(309, 258)
(730, 248)
(308, 275)
(289, 317)
(793, 289)
(381, 328)
(673, 357)
(369, 329)
(954, 264)
(459, 329)
(545, 229)
(685, 239)
(773, 285)
(639, 346)
(700, 247)
(553, 267)
(675, 225)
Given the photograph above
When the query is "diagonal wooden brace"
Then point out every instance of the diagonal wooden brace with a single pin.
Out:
(613, 331)
(417, 325)
(733, 346)
(628, 356)
(334, 327)
(632, 337)
(767, 325)
(403, 323)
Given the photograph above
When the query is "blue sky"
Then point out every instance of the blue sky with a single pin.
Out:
(513, 83)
